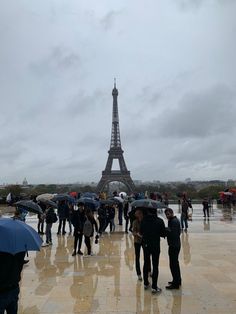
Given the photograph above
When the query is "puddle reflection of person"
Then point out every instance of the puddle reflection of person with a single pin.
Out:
(186, 248)
(176, 303)
(206, 224)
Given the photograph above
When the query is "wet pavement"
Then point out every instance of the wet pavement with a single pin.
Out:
(56, 282)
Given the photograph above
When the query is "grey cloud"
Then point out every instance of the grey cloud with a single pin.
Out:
(201, 114)
(108, 19)
(196, 4)
(59, 59)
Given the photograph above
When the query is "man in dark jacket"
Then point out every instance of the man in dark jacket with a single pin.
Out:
(151, 229)
(78, 220)
(10, 276)
(173, 238)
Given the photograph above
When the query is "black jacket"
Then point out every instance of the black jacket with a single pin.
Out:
(173, 232)
(10, 270)
(152, 228)
(78, 220)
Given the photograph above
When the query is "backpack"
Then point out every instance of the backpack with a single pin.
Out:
(88, 228)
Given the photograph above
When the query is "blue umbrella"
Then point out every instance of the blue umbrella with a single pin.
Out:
(90, 195)
(89, 202)
(16, 236)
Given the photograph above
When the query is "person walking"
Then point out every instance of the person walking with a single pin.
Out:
(137, 241)
(184, 214)
(205, 205)
(173, 239)
(63, 212)
(10, 275)
(78, 220)
(120, 212)
(88, 230)
(152, 228)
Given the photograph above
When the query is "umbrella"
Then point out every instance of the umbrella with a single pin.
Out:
(30, 206)
(148, 203)
(107, 202)
(120, 199)
(44, 197)
(115, 200)
(89, 202)
(228, 193)
(233, 190)
(122, 194)
(90, 195)
(63, 197)
(16, 236)
(50, 203)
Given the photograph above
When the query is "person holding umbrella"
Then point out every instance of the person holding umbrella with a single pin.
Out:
(51, 218)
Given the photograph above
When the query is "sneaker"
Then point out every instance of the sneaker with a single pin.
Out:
(157, 290)
(172, 287)
(91, 254)
(171, 283)
(80, 253)
(64, 232)
(146, 287)
(74, 253)
(45, 244)
(140, 278)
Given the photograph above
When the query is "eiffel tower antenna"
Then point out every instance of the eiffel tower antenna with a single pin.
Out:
(115, 152)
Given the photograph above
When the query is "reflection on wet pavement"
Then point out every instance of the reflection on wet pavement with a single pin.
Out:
(56, 282)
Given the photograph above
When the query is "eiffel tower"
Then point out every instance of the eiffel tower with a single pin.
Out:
(115, 152)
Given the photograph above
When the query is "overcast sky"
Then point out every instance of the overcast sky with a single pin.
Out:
(175, 65)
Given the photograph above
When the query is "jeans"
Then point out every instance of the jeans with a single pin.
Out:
(78, 238)
(126, 224)
(184, 221)
(153, 252)
(49, 232)
(102, 225)
(88, 244)
(111, 222)
(174, 264)
(120, 215)
(40, 225)
(137, 248)
(206, 211)
(9, 301)
(62, 223)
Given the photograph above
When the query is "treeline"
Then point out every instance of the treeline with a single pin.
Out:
(172, 191)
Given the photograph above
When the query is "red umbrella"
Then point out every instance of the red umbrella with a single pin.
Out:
(73, 194)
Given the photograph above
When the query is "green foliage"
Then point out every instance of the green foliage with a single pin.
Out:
(211, 191)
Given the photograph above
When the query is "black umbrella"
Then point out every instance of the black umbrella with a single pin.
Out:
(148, 203)
(107, 202)
(50, 203)
(114, 200)
(63, 197)
(30, 206)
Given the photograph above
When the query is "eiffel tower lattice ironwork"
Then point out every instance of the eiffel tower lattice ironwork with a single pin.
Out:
(115, 152)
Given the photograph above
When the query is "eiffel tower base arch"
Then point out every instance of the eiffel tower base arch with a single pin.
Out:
(116, 177)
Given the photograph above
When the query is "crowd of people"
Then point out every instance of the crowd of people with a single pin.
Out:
(147, 229)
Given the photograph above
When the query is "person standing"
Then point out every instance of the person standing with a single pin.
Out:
(127, 209)
(137, 241)
(51, 218)
(102, 218)
(120, 213)
(110, 212)
(78, 220)
(184, 214)
(152, 228)
(88, 230)
(205, 205)
(173, 239)
(63, 212)
(41, 218)
(10, 275)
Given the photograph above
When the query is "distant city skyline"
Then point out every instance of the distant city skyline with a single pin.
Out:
(174, 61)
